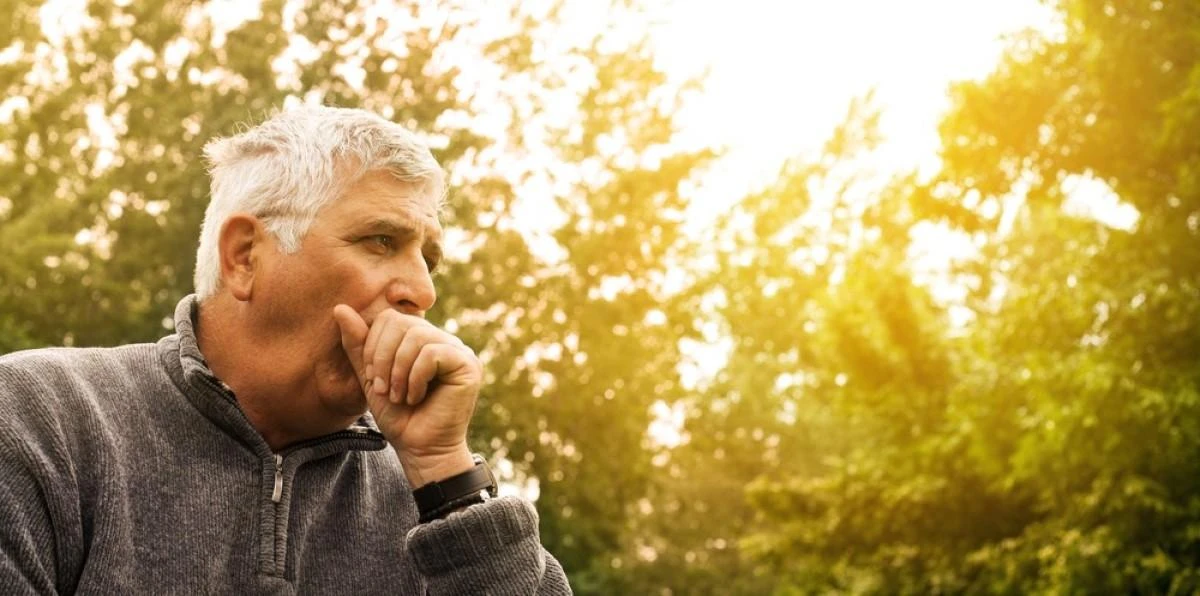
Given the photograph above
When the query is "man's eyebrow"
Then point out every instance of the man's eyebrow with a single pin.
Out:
(390, 227)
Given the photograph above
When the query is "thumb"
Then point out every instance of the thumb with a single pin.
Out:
(354, 333)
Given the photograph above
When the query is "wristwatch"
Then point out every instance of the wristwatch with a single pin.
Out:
(437, 499)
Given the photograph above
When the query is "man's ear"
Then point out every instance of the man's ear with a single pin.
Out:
(240, 235)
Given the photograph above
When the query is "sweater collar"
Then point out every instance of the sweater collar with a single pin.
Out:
(212, 397)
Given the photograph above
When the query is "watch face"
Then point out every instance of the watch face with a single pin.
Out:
(494, 487)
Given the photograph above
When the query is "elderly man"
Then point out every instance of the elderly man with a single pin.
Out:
(302, 431)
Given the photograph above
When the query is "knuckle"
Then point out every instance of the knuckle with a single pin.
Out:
(422, 337)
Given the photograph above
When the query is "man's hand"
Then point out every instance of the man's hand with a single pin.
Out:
(421, 384)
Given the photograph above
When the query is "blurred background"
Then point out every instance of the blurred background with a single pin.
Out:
(774, 297)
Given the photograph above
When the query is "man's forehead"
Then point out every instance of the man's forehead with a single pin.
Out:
(380, 193)
(422, 210)
(420, 206)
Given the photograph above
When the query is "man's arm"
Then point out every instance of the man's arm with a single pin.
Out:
(491, 548)
(421, 384)
(27, 560)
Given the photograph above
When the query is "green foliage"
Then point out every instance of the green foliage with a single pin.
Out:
(1050, 444)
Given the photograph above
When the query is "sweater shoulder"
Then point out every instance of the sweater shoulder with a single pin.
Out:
(50, 368)
(53, 389)
(74, 358)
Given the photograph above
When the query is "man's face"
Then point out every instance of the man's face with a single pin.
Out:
(372, 249)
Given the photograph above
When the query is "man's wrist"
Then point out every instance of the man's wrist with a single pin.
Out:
(421, 470)
(438, 499)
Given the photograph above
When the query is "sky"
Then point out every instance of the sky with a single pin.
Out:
(782, 73)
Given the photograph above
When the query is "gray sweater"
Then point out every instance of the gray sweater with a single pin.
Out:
(132, 470)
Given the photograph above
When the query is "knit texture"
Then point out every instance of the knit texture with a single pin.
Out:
(133, 470)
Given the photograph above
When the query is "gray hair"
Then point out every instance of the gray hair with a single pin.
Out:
(286, 169)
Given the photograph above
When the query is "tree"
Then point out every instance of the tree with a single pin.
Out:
(1057, 450)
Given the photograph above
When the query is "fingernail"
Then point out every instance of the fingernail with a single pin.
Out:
(380, 386)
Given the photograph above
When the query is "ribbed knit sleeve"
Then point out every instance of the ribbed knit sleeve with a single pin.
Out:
(29, 563)
(26, 533)
(491, 548)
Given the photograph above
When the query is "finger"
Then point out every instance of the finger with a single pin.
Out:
(387, 332)
(446, 363)
(354, 333)
(414, 339)
(365, 367)
(391, 338)
(369, 351)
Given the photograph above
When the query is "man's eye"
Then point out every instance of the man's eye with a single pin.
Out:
(381, 242)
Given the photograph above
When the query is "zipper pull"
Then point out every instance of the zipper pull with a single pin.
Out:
(278, 492)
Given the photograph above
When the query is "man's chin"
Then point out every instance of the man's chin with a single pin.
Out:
(340, 392)
(343, 402)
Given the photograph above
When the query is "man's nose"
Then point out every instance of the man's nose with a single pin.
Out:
(411, 289)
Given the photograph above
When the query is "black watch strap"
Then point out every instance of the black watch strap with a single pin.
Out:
(438, 498)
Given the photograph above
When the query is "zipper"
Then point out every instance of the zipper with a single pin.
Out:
(278, 492)
(354, 431)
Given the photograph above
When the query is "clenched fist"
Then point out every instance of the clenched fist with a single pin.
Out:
(421, 384)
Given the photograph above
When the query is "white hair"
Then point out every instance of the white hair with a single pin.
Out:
(286, 169)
